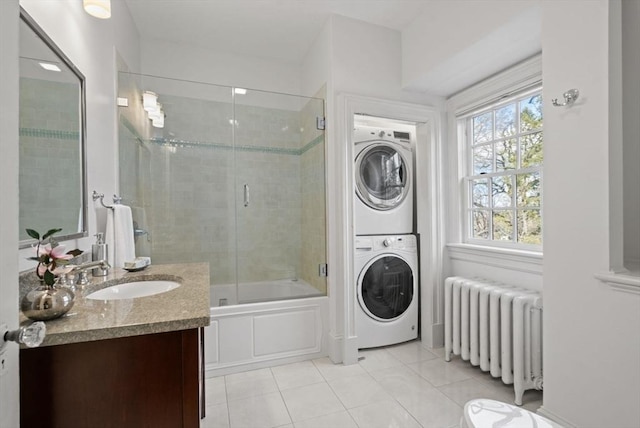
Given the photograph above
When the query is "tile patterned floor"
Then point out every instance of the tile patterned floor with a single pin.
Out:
(400, 386)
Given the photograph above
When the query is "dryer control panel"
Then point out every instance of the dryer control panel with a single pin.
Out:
(365, 133)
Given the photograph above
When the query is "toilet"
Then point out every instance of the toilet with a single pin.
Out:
(485, 413)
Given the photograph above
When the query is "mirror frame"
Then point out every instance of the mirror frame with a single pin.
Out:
(33, 25)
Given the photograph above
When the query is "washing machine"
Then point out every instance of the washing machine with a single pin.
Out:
(386, 287)
(383, 181)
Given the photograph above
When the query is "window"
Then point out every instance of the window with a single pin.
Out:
(503, 182)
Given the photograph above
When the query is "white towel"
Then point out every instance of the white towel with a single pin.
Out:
(119, 236)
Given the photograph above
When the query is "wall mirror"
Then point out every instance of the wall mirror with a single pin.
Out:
(52, 144)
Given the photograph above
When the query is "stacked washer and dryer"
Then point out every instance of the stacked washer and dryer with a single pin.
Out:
(386, 252)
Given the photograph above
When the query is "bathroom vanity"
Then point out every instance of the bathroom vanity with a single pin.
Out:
(122, 363)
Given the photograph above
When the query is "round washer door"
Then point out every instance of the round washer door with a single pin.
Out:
(382, 176)
(386, 287)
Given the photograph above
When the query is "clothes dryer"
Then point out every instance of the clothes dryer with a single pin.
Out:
(386, 290)
(383, 163)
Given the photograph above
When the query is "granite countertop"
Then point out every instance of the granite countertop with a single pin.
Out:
(182, 308)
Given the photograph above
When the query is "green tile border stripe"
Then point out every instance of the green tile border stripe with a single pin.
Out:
(319, 139)
(244, 148)
(272, 150)
(49, 133)
(169, 142)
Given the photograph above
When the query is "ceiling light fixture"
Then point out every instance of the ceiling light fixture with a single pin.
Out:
(149, 101)
(157, 112)
(239, 91)
(157, 117)
(158, 122)
(98, 8)
(153, 108)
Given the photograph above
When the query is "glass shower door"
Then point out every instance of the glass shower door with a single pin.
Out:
(280, 162)
(179, 179)
(234, 180)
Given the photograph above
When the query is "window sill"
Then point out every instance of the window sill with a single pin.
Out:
(623, 281)
(519, 260)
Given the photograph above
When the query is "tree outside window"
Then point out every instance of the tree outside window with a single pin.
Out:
(505, 144)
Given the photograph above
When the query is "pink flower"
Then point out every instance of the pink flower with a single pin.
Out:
(42, 269)
(60, 270)
(51, 257)
(56, 253)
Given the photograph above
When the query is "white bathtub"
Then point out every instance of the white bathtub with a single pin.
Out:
(265, 291)
(292, 326)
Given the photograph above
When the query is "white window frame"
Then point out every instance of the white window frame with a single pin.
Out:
(518, 79)
(466, 126)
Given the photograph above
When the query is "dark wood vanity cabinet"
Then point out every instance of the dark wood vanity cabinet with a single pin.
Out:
(151, 381)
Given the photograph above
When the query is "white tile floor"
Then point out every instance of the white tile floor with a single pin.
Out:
(397, 386)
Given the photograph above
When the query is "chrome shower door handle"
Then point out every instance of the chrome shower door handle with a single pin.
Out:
(246, 195)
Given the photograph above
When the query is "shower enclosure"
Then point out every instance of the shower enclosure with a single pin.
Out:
(234, 178)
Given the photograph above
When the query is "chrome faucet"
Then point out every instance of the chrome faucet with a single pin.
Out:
(100, 268)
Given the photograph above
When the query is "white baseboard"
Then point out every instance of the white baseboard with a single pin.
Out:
(433, 336)
(343, 350)
(555, 418)
(350, 353)
(437, 336)
(214, 370)
(335, 348)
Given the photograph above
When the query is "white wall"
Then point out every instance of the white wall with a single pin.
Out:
(362, 60)
(91, 44)
(186, 62)
(454, 44)
(591, 343)
(367, 60)
(631, 113)
(9, 79)
(316, 66)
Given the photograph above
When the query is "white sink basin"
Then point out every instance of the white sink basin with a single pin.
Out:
(131, 290)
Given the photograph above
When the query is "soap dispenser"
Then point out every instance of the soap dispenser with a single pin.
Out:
(99, 252)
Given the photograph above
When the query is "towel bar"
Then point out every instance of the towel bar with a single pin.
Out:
(96, 196)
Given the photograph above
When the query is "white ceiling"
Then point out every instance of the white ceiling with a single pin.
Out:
(278, 29)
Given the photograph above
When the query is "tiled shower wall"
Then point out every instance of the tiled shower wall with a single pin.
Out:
(49, 156)
(191, 189)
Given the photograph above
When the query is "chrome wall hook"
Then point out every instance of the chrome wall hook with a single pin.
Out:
(569, 98)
